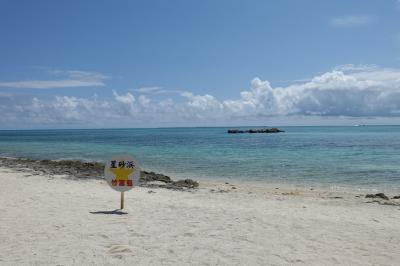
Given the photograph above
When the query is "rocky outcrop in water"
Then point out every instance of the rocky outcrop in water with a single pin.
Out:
(255, 130)
(83, 170)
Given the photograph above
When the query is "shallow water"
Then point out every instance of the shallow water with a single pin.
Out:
(366, 156)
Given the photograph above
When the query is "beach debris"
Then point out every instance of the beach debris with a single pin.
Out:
(377, 195)
(396, 197)
(219, 190)
(291, 193)
(255, 130)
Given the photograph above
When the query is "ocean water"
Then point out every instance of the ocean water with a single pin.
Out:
(363, 157)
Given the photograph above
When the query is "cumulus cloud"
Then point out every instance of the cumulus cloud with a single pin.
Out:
(66, 79)
(352, 91)
(353, 20)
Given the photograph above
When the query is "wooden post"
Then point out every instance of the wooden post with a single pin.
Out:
(122, 200)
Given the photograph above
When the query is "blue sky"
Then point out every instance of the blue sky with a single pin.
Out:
(194, 63)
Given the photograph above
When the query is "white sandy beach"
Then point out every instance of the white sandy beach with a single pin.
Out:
(54, 221)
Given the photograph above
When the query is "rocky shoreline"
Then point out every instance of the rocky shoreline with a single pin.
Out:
(78, 170)
(90, 170)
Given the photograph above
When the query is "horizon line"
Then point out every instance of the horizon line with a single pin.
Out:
(238, 126)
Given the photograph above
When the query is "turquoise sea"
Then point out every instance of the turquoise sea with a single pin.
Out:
(363, 156)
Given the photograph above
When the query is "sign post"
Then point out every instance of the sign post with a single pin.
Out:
(122, 173)
(122, 200)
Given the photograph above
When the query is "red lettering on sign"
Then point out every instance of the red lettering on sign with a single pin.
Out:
(121, 183)
(113, 182)
(129, 183)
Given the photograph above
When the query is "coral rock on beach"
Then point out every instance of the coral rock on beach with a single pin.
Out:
(378, 195)
(95, 170)
(151, 176)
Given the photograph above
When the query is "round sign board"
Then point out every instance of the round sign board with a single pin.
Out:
(122, 172)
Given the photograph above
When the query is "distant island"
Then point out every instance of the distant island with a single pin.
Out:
(255, 130)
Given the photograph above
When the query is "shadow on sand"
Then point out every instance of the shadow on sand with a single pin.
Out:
(117, 212)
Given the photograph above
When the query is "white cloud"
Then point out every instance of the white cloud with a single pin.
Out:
(348, 91)
(71, 78)
(125, 99)
(353, 20)
(156, 90)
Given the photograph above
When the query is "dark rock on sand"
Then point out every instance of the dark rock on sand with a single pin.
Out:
(151, 176)
(187, 183)
(255, 130)
(378, 195)
(396, 197)
(146, 178)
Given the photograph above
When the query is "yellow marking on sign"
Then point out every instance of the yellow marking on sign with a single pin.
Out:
(121, 173)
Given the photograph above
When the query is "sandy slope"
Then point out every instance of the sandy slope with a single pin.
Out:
(54, 221)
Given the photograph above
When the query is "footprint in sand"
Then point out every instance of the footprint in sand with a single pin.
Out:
(119, 250)
(104, 236)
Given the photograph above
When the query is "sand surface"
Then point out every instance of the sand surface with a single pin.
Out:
(47, 220)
